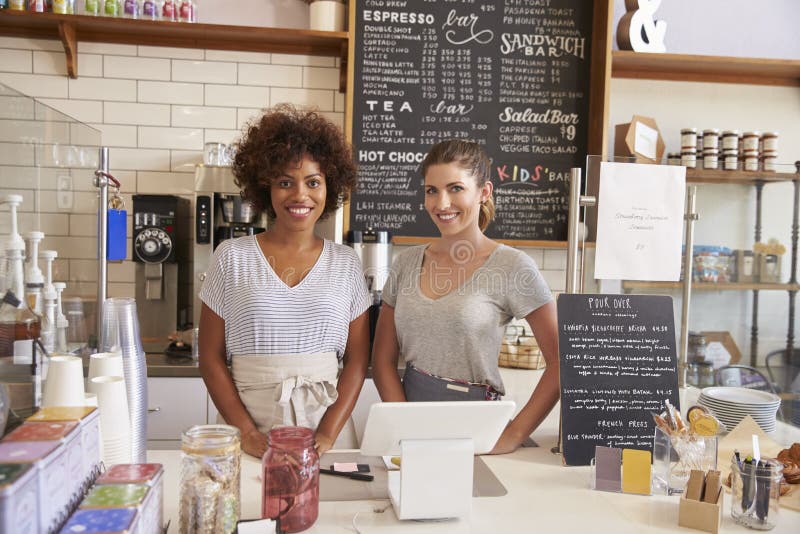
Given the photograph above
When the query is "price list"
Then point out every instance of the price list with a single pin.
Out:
(618, 365)
(512, 75)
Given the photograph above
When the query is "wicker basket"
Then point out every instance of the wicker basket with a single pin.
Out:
(519, 351)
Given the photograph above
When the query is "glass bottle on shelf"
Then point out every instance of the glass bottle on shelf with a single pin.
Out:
(186, 11)
(169, 10)
(149, 10)
(37, 6)
(27, 325)
(111, 8)
(92, 7)
(130, 9)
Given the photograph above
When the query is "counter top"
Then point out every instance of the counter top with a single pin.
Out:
(543, 496)
(161, 365)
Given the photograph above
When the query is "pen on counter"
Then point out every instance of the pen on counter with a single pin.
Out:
(354, 475)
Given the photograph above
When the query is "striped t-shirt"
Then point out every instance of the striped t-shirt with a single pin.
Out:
(265, 316)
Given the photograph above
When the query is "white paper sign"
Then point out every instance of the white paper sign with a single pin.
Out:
(640, 221)
(645, 141)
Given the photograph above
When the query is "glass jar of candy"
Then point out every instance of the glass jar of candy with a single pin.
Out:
(210, 479)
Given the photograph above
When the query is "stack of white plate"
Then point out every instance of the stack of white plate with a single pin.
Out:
(731, 405)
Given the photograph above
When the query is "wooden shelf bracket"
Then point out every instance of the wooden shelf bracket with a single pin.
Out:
(67, 33)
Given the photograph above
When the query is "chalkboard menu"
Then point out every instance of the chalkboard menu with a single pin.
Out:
(512, 75)
(618, 364)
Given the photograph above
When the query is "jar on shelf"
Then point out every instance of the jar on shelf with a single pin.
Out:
(16, 5)
(210, 479)
(37, 6)
(64, 7)
(688, 138)
(689, 158)
(751, 160)
(696, 350)
(149, 10)
(711, 139)
(187, 11)
(730, 160)
(769, 163)
(710, 159)
(111, 8)
(130, 9)
(750, 141)
(705, 374)
(769, 142)
(169, 10)
(92, 7)
(730, 140)
(674, 158)
(290, 478)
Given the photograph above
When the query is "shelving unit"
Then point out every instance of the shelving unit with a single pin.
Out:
(697, 68)
(756, 179)
(71, 29)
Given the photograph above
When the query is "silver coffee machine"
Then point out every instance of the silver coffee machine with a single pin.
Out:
(220, 214)
(374, 249)
(160, 251)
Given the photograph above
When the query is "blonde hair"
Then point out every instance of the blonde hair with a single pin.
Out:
(469, 156)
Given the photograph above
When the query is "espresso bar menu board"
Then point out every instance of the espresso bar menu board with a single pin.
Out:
(512, 75)
(618, 365)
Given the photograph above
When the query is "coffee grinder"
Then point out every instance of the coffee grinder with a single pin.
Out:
(160, 246)
(374, 249)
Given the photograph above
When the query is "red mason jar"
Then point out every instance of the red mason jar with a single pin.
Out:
(290, 478)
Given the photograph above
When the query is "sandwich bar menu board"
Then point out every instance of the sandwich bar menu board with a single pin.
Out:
(512, 75)
(618, 365)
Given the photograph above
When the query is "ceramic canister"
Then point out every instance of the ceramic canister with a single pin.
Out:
(148, 474)
(115, 496)
(51, 472)
(88, 418)
(105, 520)
(18, 498)
(68, 434)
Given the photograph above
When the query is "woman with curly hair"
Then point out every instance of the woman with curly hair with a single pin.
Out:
(286, 305)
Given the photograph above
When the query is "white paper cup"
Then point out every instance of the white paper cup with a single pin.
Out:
(326, 15)
(91, 399)
(112, 402)
(105, 364)
(64, 384)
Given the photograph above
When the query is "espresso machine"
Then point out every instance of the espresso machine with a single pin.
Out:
(160, 250)
(374, 249)
(220, 214)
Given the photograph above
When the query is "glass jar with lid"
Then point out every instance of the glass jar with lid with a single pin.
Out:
(711, 139)
(730, 140)
(696, 350)
(290, 478)
(210, 471)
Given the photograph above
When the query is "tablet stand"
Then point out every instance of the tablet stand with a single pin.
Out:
(434, 480)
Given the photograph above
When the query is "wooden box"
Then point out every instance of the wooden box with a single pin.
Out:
(701, 515)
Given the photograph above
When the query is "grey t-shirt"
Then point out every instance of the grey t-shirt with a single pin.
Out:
(458, 335)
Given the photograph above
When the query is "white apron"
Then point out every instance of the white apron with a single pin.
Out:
(289, 390)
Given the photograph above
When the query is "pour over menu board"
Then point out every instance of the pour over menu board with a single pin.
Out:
(618, 364)
(512, 75)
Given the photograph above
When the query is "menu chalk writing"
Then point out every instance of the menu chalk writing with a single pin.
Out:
(512, 75)
(618, 365)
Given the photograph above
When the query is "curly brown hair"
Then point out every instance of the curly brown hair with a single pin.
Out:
(281, 137)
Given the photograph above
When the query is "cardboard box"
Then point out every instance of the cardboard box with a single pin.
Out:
(639, 139)
(701, 515)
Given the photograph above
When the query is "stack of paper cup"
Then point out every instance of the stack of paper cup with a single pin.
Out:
(115, 424)
(326, 15)
(121, 335)
(105, 364)
(64, 384)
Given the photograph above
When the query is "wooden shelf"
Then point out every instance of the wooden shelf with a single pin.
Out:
(717, 176)
(71, 29)
(710, 286)
(696, 68)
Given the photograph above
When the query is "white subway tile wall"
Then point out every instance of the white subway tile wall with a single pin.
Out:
(154, 107)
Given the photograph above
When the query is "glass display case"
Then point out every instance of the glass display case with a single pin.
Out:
(47, 166)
